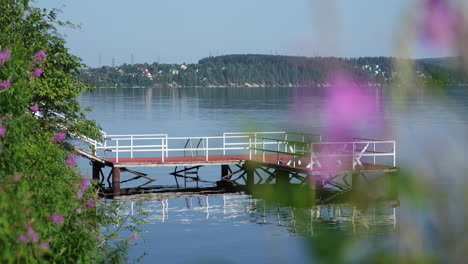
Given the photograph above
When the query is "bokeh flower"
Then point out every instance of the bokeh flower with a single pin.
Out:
(133, 237)
(78, 210)
(4, 84)
(44, 245)
(23, 238)
(83, 184)
(349, 108)
(34, 108)
(39, 56)
(438, 25)
(90, 203)
(71, 160)
(58, 137)
(56, 218)
(31, 233)
(37, 72)
(4, 56)
(2, 130)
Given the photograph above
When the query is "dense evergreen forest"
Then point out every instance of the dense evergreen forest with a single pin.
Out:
(265, 70)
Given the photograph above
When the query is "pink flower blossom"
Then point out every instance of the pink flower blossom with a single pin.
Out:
(4, 56)
(71, 161)
(90, 203)
(439, 26)
(58, 137)
(4, 84)
(23, 238)
(2, 130)
(39, 56)
(37, 72)
(83, 184)
(44, 245)
(349, 107)
(34, 108)
(133, 237)
(78, 210)
(56, 218)
(31, 233)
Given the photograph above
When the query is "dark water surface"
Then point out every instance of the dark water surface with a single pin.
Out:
(234, 228)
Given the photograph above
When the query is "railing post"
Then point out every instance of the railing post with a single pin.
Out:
(394, 153)
(131, 146)
(277, 152)
(294, 154)
(206, 139)
(167, 147)
(250, 148)
(263, 149)
(374, 151)
(224, 143)
(255, 135)
(163, 146)
(354, 148)
(117, 150)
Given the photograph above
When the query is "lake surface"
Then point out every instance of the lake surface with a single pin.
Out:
(235, 228)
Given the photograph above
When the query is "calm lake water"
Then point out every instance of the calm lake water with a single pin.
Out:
(234, 228)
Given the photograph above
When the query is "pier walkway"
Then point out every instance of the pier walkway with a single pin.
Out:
(285, 151)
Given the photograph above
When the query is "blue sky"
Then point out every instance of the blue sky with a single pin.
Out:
(177, 31)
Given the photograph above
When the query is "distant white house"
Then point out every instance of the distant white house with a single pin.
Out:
(183, 67)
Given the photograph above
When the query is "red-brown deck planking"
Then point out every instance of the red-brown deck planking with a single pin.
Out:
(267, 159)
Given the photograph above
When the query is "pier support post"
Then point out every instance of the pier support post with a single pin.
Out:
(250, 169)
(116, 181)
(224, 170)
(282, 177)
(96, 170)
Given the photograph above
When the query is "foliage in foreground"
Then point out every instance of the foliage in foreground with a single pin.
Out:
(49, 213)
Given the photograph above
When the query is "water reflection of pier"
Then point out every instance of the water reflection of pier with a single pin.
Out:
(243, 209)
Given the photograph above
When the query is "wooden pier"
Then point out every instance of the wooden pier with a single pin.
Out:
(249, 158)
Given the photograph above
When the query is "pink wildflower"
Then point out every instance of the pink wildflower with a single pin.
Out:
(439, 25)
(39, 56)
(58, 137)
(71, 161)
(4, 56)
(78, 210)
(90, 203)
(56, 218)
(83, 184)
(4, 84)
(2, 130)
(23, 238)
(37, 72)
(348, 107)
(34, 108)
(31, 233)
(133, 237)
(44, 245)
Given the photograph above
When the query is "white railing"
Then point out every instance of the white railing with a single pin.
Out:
(306, 150)
(323, 154)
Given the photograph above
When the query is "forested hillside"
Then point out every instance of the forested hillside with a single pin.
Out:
(262, 70)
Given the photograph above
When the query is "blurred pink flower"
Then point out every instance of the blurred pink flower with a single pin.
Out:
(44, 245)
(58, 137)
(133, 237)
(37, 72)
(349, 106)
(23, 239)
(90, 203)
(39, 56)
(34, 108)
(2, 130)
(31, 233)
(56, 218)
(71, 161)
(438, 26)
(4, 84)
(78, 210)
(83, 184)
(4, 56)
